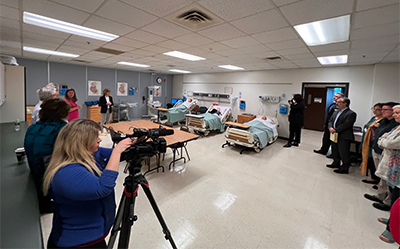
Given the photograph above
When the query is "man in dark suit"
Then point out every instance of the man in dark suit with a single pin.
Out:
(342, 122)
(326, 141)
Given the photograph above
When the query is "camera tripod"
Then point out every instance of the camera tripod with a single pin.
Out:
(125, 215)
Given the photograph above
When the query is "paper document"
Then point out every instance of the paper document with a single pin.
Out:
(334, 137)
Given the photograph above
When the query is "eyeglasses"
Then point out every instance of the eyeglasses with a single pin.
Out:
(385, 109)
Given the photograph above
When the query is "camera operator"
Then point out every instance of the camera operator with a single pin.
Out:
(81, 179)
(296, 120)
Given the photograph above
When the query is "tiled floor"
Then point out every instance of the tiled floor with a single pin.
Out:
(278, 198)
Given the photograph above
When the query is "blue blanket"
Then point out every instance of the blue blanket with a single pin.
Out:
(260, 132)
(176, 114)
(213, 122)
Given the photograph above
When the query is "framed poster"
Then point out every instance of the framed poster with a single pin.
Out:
(94, 88)
(122, 89)
(157, 91)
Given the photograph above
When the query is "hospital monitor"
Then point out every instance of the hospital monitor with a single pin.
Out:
(173, 101)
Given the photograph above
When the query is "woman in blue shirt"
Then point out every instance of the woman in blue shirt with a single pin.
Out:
(81, 179)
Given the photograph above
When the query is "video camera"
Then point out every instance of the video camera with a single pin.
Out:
(144, 148)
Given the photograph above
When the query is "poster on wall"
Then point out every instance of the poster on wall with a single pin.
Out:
(122, 89)
(94, 88)
(157, 91)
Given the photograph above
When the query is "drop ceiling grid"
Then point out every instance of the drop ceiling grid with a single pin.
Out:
(235, 9)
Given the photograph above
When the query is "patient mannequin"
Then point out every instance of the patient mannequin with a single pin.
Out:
(264, 117)
(189, 100)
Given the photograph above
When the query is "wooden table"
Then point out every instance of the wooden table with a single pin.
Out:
(174, 141)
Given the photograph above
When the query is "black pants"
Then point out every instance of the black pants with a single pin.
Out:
(371, 167)
(294, 133)
(101, 244)
(341, 152)
(326, 141)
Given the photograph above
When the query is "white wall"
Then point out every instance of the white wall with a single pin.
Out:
(14, 106)
(368, 84)
(2, 84)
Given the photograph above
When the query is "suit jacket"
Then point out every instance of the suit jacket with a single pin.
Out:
(331, 110)
(103, 104)
(344, 124)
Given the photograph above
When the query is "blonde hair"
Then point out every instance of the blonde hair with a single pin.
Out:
(72, 146)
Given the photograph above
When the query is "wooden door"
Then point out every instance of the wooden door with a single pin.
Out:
(314, 114)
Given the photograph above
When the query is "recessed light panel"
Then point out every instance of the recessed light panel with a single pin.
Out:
(45, 51)
(179, 71)
(132, 64)
(332, 60)
(184, 56)
(230, 67)
(54, 24)
(325, 31)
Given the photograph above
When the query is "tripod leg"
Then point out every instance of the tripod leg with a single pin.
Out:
(128, 218)
(146, 189)
(117, 224)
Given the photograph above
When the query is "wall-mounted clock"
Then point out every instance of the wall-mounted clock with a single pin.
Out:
(159, 80)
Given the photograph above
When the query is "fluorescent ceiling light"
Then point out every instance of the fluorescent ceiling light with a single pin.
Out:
(330, 60)
(325, 32)
(230, 67)
(45, 51)
(132, 64)
(66, 27)
(179, 71)
(184, 56)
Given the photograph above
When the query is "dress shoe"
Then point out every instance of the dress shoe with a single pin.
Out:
(381, 206)
(288, 145)
(332, 166)
(372, 198)
(341, 171)
(295, 144)
(370, 181)
(319, 152)
(329, 156)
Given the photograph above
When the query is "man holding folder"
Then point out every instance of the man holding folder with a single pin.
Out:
(341, 128)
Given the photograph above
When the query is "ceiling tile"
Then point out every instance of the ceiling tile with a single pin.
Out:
(261, 22)
(87, 6)
(11, 44)
(293, 51)
(85, 40)
(155, 49)
(145, 37)
(106, 25)
(166, 29)
(129, 42)
(54, 10)
(310, 10)
(40, 44)
(245, 41)
(43, 31)
(10, 3)
(9, 26)
(371, 4)
(376, 31)
(296, 43)
(255, 49)
(235, 9)
(330, 47)
(222, 32)
(118, 47)
(172, 45)
(10, 51)
(193, 39)
(284, 2)
(276, 35)
(384, 15)
(162, 8)
(9, 13)
(125, 14)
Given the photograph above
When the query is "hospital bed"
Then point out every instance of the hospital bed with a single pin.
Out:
(255, 134)
(176, 113)
(207, 122)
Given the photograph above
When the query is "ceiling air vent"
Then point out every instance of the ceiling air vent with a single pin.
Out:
(109, 51)
(194, 17)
